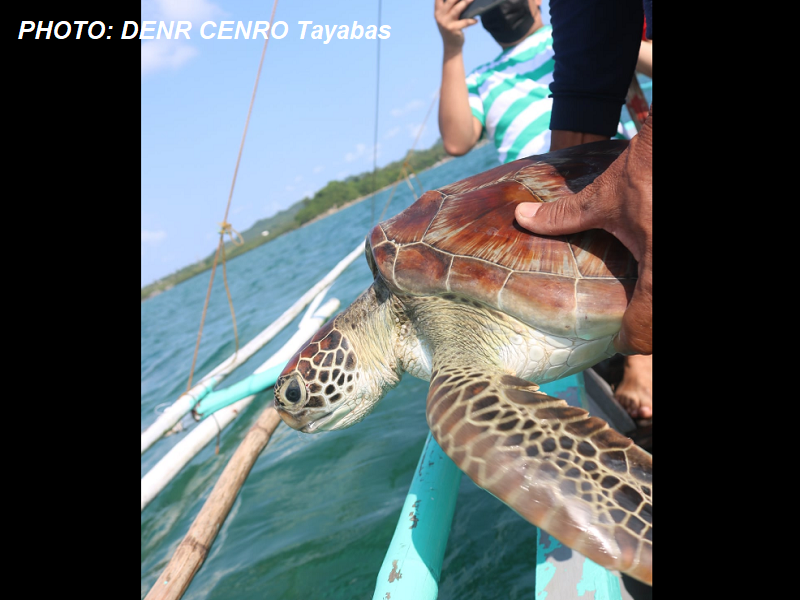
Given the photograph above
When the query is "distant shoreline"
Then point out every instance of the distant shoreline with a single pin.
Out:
(334, 209)
(168, 282)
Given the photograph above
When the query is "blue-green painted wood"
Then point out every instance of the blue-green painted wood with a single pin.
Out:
(413, 562)
(208, 387)
(571, 389)
(412, 566)
(562, 573)
(253, 384)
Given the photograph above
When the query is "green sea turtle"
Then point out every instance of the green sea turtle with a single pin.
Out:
(465, 298)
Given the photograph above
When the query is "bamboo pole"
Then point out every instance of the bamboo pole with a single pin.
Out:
(192, 551)
(184, 451)
(170, 417)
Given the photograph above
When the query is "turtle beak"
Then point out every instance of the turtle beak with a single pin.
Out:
(309, 423)
(291, 420)
(326, 422)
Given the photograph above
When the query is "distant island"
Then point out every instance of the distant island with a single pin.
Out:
(334, 196)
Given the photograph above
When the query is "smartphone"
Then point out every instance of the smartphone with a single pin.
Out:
(479, 7)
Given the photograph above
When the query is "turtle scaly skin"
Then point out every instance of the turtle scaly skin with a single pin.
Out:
(465, 298)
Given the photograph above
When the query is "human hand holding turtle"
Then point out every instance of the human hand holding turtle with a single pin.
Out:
(619, 201)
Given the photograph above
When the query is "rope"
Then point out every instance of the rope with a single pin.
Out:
(406, 164)
(226, 228)
(219, 429)
(159, 409)
(375, 137)
(411, 187)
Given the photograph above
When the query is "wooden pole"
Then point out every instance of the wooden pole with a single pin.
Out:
(192, 551)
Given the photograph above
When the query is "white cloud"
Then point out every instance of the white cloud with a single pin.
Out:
(411, 106)
(413, 130)
(351, 156)
(153, 237)
(391, 133)
(180, 10)
(164, 54)
(363, 151)
(298, 179)
(273, 207)
(318, 169)
(289, 188)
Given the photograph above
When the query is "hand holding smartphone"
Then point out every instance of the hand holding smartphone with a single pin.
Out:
(479, 7)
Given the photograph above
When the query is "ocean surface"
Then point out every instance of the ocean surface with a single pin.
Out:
(315, 517)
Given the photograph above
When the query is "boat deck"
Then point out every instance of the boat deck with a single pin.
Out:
(560, 572)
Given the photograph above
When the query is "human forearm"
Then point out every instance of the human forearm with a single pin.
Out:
(459, 129)
(457, 125)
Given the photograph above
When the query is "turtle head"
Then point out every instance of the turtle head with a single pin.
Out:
(339, 375)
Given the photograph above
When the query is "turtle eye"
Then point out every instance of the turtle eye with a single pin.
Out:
(293, 392)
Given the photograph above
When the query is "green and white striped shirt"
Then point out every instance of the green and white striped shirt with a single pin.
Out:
(509, 96)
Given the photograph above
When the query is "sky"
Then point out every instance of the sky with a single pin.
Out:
(312, 122)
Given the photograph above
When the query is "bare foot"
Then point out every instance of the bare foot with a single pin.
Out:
(635, 391)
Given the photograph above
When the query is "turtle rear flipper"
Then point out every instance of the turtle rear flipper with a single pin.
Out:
(559, 468)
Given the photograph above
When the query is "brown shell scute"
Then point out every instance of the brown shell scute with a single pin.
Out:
(599, 254)
(411, 224)
(501, 173)
(477, 279)
(464, 239)
(481, 224)
(538, 297)
(421, 269)
(567, 171)
(600, 304)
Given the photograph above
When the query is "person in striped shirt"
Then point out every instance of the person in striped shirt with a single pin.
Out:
(507, 98)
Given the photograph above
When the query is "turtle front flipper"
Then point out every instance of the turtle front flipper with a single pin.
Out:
(561, 469)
